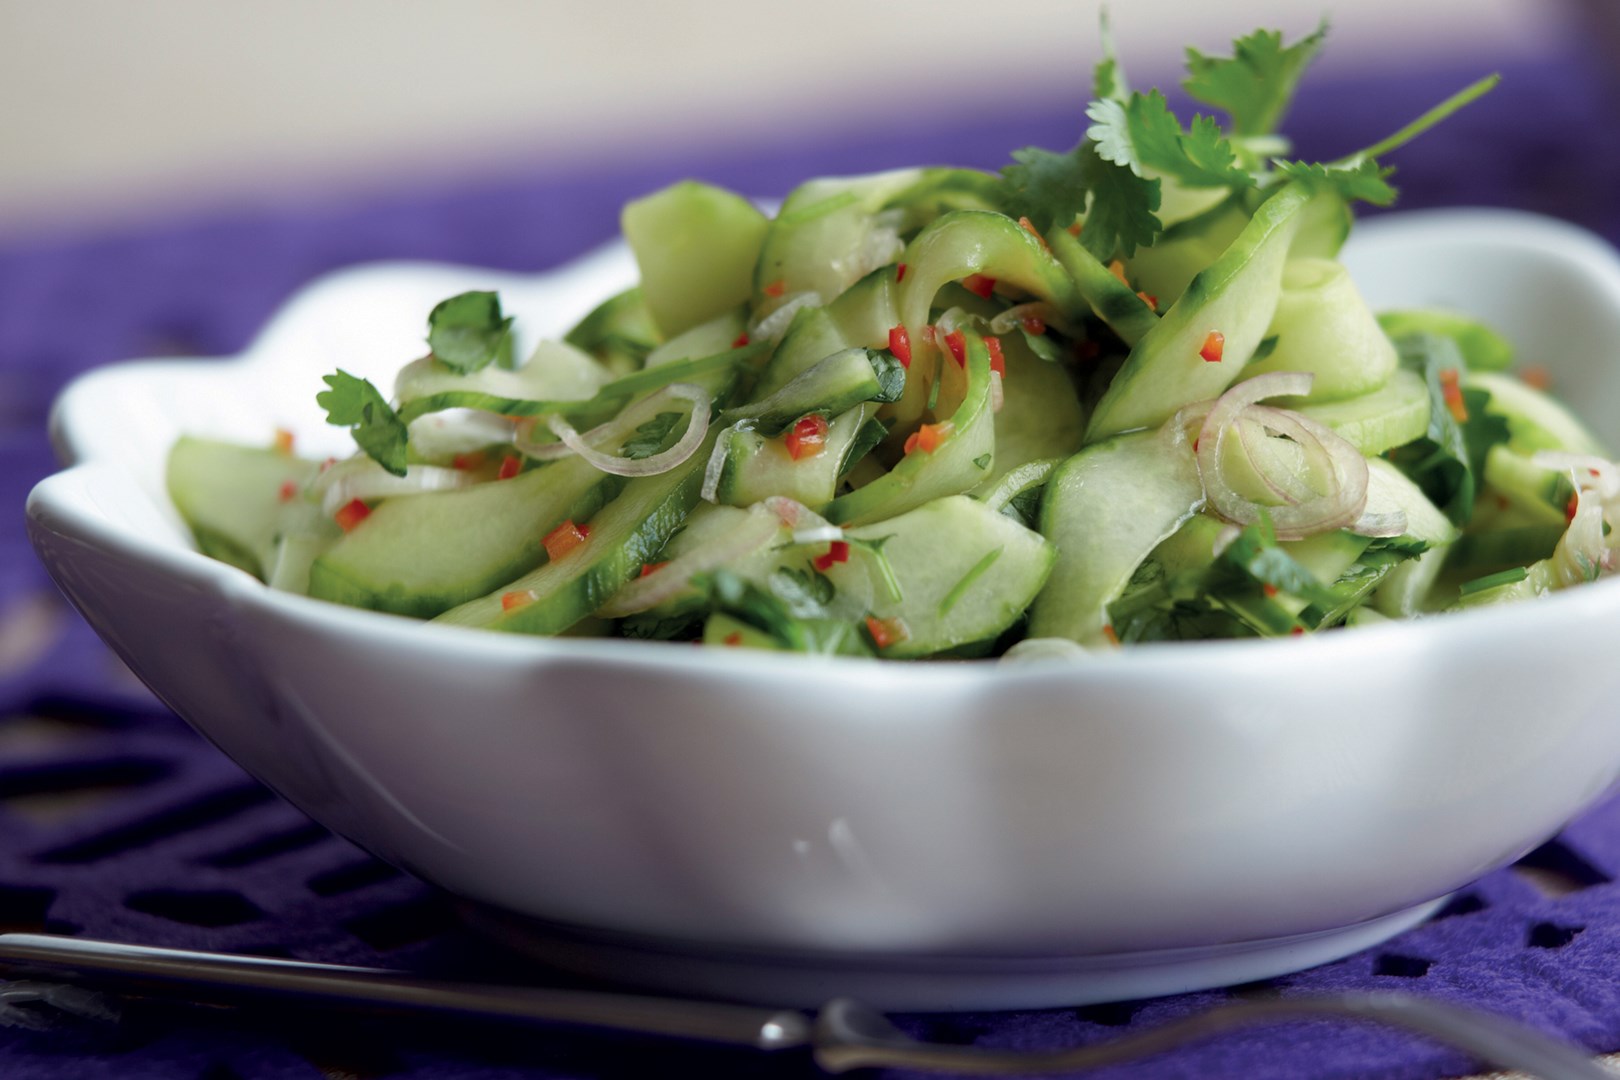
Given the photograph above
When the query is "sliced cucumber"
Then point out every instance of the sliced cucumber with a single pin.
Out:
(1482, 348)
(1106, 509)
(1166, 269)
(1113, 301)
(758, 467)
(707, 338)
(231, 497)
(619, 332)
(1235, 297)
(964, 573)
(624, 536)
(959, 463)
(555, 372)
(425, 554)
(1324, 327)
(1535, 420)
(1391, 416)
(838, 383)
(696, 246)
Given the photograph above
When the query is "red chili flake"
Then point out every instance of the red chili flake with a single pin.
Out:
(1076, 228)
(288, 491)
(900, 345)
(1451, 390)
(351, 514)
(1149, 299)
(1214, 345)
(776, 288)
(806, 437)
(998, 363)
(741, 340)
(652, 567)
(1297, 631)
(328, 463)
(283, 443)
(929, 437)
(900, 272)
(474, 460)
(565, 538)
(1033, 324)
(979, 285)
(1108, 632)
(886, 632)
(510, 467)
(733, 638)
(1029, 227)
(1268, 588)
(518, 598)
(1570, 507)
(837, 552)
(1536, 377)
(958, 346)
(1117, 268)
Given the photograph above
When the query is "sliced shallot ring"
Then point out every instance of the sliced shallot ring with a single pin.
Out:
(716, 466)
(378, 483)
(1391, 524)
(1346, 496)
(773, 326)
(622, 426)
(756, 530)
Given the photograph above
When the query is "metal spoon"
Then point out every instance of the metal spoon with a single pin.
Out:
(841, 1036)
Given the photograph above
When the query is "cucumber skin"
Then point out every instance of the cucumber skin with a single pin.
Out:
(330, 580)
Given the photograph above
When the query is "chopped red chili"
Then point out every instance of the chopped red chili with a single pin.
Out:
(1451, 391)
(958, 346)
(1033, 324)
(564, 539)
(473, 460)
(288, 491)
(929, 437)
(510, 467)
(740, 340)
(806, 437)
(776, 288)
(979, 285)
(1149, 299)
(998, 362)
(733, 638)
(1570, 507)
(886, 632)
(900, 272)
(1214, 346)
(837, 552)
(1029, 227)
(1536, 377)
(283, 442)
(351, 514)
(518, 598)
(652, 567)
(900, 345)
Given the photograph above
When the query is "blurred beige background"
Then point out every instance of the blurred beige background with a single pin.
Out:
(115, 109)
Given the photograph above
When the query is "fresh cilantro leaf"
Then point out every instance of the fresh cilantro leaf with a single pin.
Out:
(1143, 135)
(652, 436)
(354, 403)
(982, 461)
(1365, 180)
(1108, 77)
(805, 592)
(467, 332)
(1267, 346)
(1025, 507)
(1046, 187)
(1122, 215)
(766, 611)
(1254, 85)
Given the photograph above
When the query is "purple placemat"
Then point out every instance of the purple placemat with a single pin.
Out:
(116, 821)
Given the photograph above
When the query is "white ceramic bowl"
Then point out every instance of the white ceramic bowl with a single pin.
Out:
(928, 835)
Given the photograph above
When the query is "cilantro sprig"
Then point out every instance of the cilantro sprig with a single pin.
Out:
(355, 403)
(468, 332)
(1134, 143)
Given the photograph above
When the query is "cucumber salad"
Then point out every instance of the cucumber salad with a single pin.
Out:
(1117, 394)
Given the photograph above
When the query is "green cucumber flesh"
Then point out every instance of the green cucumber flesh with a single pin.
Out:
(964, 572)
(424, 554)
(1235, 296)
(1391, 416)
(1323, 327)
(619, 332)
(1106, 509)
(1482, 348)
(230, 497)
(757, 467)
(696, 246)
(625, 535)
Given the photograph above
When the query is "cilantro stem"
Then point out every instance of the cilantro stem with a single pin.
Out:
(1461, 98)
(960, 589)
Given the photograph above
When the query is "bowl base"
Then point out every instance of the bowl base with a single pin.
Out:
(904, 983)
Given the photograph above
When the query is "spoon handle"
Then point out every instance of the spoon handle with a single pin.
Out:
(144, 968)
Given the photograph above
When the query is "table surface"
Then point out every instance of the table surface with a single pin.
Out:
(117, 821)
